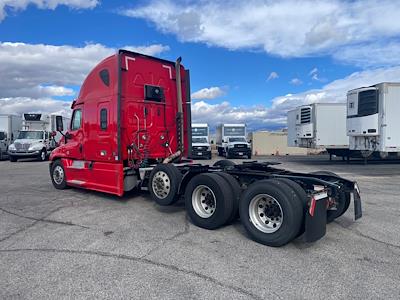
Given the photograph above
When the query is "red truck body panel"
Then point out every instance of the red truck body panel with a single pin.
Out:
(128, 114)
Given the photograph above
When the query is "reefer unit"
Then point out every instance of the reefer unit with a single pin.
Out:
(318, 126)
(373, 119)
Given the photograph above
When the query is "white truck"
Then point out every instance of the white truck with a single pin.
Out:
(373, 120)
(319, 126)
(37, 138)
(9, 127)
(231, 140)
(201, 147)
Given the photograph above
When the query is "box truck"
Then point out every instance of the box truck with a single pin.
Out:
(319, 126)
(131, 128)
(201, 147)
(231, 140)
(372, 120)
(37, 137)
(9, 127)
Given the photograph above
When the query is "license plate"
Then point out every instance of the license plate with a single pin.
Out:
(240, 153)
(199, 153)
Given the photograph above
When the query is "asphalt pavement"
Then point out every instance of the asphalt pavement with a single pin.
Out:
(82, 244)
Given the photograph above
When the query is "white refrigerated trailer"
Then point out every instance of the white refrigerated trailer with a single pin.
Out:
(319, 126)
(9, 127)
(373, 120)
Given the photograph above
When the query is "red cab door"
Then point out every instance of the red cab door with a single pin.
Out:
(74, 145)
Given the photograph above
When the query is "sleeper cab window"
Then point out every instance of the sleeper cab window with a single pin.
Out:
(76, 119)
(105, 77)
(103, 119)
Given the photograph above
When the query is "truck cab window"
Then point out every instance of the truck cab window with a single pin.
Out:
(105, 77)
(103, 119)
(76, 120)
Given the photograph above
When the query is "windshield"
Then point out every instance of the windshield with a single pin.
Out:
(237, 139)
(2, 136)
(32, 135)
(199, 140)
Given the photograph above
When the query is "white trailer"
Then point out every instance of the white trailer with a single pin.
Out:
(9, 127)
(373, 120)
(231, 140)
(37, 138)
(319, 126)
(291, 130)
(201, 147)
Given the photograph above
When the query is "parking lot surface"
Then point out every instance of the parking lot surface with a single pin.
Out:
(81, 244)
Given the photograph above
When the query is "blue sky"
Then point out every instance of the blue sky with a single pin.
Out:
(231, 47)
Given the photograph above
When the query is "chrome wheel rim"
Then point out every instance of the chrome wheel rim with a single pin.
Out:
(43, 155)
(58, 175)
(204, 201)
(265, 213)
(161, 184)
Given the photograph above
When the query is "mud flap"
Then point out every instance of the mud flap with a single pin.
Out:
(357, 202)
(315, 226)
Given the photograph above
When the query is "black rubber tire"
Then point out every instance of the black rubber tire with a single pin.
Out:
(290, 204)
(237, 191)
(40, 158)
(223, 163)
(344, 200)
(302, 195)
(63, 184)
(12, 158)
(249, 156)
(174, 177)
(224, 199)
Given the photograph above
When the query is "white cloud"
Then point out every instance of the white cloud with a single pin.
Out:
(371, 55)
(20, 105)
(254, 117)
(208, 93)
(274, 116)
(37, 72)
(296, 81)
(272, 76)
(315, 27)
(17, 5)
(313, 71)
(314, 74)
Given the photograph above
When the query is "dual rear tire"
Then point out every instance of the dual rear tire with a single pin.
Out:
(272, 212)
(342, 200)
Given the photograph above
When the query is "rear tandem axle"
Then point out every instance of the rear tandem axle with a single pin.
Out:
(274, 205)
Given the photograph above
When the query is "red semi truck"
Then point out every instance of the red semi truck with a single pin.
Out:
(131, 128)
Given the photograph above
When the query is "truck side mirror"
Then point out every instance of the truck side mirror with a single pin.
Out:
(59, 123)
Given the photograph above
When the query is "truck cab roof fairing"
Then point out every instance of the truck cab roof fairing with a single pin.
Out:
(94, 85)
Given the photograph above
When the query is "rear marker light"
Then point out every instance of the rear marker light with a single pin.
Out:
(312, 206)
